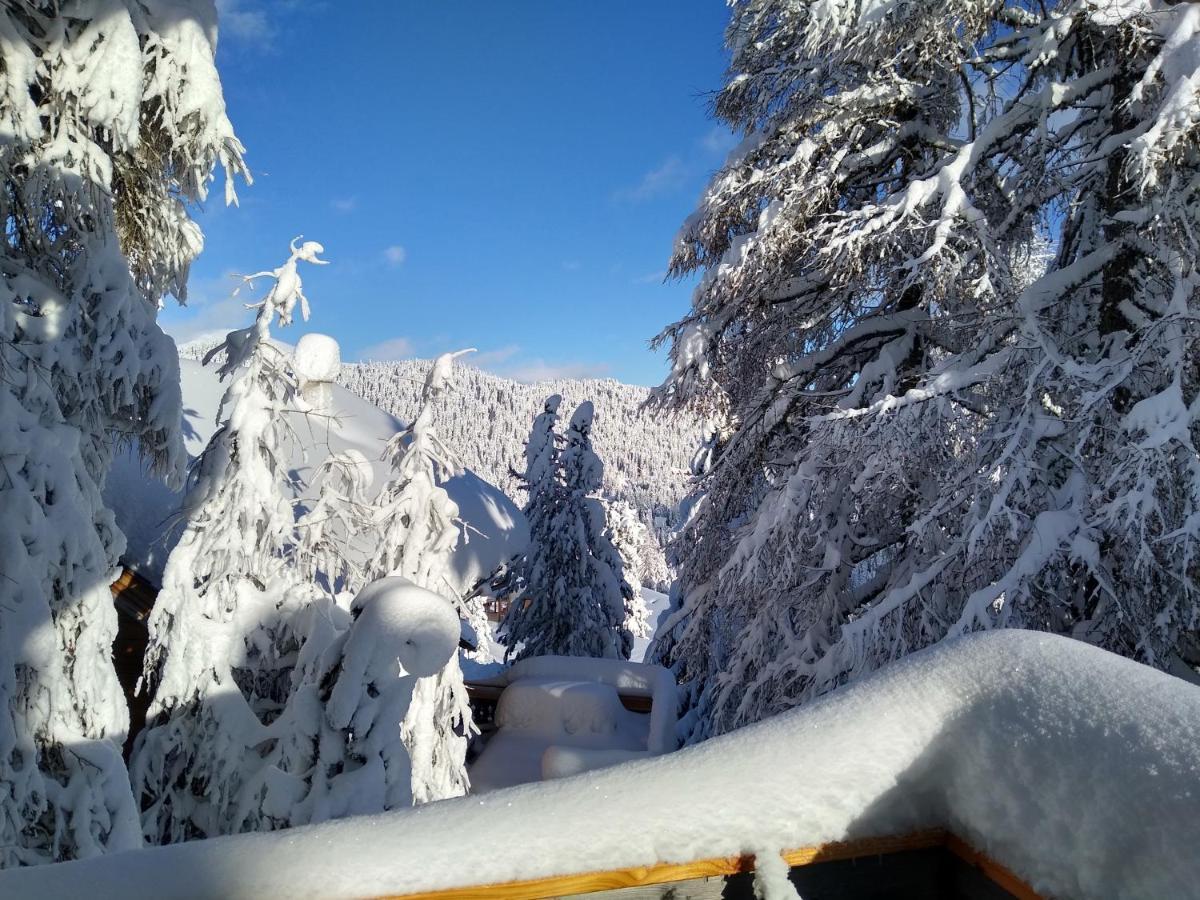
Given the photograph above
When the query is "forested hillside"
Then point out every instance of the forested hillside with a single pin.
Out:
(485, 420)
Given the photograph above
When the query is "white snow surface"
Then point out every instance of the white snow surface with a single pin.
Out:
(401, 622)
(639, 679)
(657, 606)
(562, 715)
(145, 509)
(1077, 769)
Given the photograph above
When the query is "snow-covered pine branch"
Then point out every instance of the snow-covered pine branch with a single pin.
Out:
(926, 433)
(223, 640)
(105, 145)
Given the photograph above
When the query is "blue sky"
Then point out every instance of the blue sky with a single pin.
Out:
(508, 176)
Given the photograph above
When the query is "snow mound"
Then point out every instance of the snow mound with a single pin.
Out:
(147, 511)
(636, 679)
(1077, 769)
(561, 715)
(556, 707)
(405, 623)
(317, 357)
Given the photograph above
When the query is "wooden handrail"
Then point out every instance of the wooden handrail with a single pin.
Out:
(667, 873)
(999, 874)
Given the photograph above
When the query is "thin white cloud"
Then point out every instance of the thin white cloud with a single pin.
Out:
(211, 309)
(572, 265)
(507, 362)
(674, 172)
(669, 175)
(719, 141)
(389, 350)
(535, 370)
(242, 21)
(395, 255)
(344, 204)
(490, 359)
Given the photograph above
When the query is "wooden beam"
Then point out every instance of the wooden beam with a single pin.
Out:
(667, 873)
(997, 873)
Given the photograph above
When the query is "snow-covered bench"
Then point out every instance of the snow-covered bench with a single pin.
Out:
(558, 716)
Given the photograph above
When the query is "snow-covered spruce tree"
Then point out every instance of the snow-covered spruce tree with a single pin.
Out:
(573, 598)
(631, 540)
(918, 442)
(222, 644)
(418, 529)
(345, 725)
(105, 142)
(541, 454)
(338, 516)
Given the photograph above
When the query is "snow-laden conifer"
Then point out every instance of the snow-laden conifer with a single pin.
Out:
(104, 146)
(573, 598)
(417, 528)
(336, 521)
(344, 741)
(640, 567)
(223, 635)
(923, 431)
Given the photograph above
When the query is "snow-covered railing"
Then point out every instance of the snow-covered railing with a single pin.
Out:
(557, 716)
(1073, 768)
(683, 877)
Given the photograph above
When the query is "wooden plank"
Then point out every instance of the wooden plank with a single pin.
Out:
(876, 846)
(135, 595)
(1001, 875)
(669, 873)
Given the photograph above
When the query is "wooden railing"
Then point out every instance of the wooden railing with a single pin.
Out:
(674, 873)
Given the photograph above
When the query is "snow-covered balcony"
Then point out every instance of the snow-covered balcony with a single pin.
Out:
(1077, 770)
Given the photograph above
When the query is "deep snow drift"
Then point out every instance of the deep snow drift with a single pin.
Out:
(1076, 768)
(145, 508)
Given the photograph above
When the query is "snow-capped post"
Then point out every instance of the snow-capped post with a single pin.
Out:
(418, 529)
(317, 361)
(930, 434)
(222, 637)
(106, 144)
(573, 598)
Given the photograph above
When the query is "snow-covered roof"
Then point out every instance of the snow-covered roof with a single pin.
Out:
(1077, 769)
(144, 507)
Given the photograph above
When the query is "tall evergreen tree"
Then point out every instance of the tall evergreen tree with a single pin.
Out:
(630, 538)
(418, 529)
(917, 440)
(342, 747)
(574, 599)
(223, 636)
(106, 141)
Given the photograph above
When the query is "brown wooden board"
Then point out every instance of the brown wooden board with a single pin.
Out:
(697, 875)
